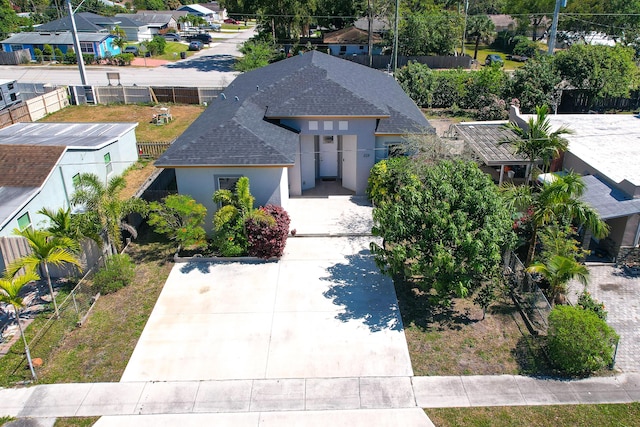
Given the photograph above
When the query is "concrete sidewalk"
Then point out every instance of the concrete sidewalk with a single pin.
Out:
(310, 395)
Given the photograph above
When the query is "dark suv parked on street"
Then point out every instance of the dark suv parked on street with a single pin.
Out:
(204, 38)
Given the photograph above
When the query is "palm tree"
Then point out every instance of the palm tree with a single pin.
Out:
(9, 293)
(480, 28)
(536, 141)
(558, 270)
(556, 202)
(104, 204)
(62, 223)
(46, 249)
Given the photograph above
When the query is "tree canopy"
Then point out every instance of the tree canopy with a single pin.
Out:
(443, 225)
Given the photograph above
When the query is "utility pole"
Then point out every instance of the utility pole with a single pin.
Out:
(464, 31)
(395, 38)
(76, 44)
(554, 27)
(370, 31)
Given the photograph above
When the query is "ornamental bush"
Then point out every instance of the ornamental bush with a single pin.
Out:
(579, 342)
(118, 272)
(268, 241)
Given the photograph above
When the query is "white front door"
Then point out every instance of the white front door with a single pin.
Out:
(349, 161)
(328, 156)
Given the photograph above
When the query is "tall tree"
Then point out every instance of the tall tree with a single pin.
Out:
(480, 28)
(602, 71)
(9, 19)
(430, 33)
(443, 225)
(536, 84)
(557, 202)
(45, 249)
(10, 288)
(536, 141)
(103, 203)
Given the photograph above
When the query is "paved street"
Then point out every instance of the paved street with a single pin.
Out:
(208, 68)
(620, 294)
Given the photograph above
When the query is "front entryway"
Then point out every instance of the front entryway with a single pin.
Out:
(328, 156)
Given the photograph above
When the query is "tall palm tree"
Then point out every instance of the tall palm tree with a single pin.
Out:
(537, 141)
(480, 28)
(9, 293)
(558, 270)
(46, 249)
(556, 202)
(62, 223)
(104, 204)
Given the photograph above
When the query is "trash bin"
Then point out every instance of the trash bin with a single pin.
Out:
(183, 55)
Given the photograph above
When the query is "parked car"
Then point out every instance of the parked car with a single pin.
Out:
(195, 45)
(172, 37)
(212, 27)
(518, 58)
(203, 38)
(231, 21)
(131, 49)
(494, 59)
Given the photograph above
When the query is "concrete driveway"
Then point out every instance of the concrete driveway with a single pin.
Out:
(323, 310)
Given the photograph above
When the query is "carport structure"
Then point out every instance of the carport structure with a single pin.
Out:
(486, 140)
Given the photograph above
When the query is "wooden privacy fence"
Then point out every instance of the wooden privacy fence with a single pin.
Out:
(152, 150)
(154, 94)
(18, 57)
(35, 108)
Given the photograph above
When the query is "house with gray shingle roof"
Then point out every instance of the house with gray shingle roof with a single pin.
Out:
(87, 22)
(292, 124)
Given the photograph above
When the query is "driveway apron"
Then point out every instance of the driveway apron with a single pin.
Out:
(323, 310)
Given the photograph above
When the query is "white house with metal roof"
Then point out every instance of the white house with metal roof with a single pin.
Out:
(40, 161)
(290, 126)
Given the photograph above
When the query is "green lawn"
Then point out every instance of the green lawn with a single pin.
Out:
(484, 51)
(627, 414)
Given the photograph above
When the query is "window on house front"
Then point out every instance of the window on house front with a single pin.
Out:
(227, 182)
(107, 162)
(75, 179)
(10, 86)
(16, 47)
(13, 97)
(343, 50)
(24, 222)
(86, 47)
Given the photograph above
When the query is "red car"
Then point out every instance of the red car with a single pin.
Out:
(231, 21)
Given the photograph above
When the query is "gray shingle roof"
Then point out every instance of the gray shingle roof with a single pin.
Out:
(54, 38)
(89, 22)
(245, 131)
(606, 200)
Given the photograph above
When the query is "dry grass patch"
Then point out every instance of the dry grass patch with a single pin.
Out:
(183, 116)
(76, 422)
(455, 341)
(101, 348)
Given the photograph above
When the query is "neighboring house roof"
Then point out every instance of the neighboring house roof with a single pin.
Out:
(89, 22)
(241, 128)
(378, 25)
(74, 136)
(55, 38)
(610, 143)
(213, 6)
(175, 13)
(24, 168)
(197, 8)
(485, 139)
(606, 200)
(149, 19)
(350, 35)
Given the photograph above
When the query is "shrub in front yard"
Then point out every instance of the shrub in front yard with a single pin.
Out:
(587, 302)
(266, 240)
(579, 342)
(117, 273)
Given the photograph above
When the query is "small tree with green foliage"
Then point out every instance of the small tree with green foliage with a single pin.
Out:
(535, 84)
(118, 272)
(417, 81)
(256, 54)
(578, 341)
(443, 225)
(180, 218)
(47, 52)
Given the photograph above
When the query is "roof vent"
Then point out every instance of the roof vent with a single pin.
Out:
(236, 98)
(257, 88)
(223, 96)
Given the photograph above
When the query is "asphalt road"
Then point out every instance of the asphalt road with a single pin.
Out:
(209, 68)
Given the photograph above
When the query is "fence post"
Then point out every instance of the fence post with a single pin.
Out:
(75, 304)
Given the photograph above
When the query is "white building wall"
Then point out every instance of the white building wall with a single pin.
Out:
(269, 185)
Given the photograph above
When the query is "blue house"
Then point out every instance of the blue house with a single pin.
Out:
(97, 44)
(352, 41)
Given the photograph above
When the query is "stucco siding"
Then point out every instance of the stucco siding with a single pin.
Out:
(265, 184)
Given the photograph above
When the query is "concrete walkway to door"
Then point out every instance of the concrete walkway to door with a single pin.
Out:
(331, 215)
